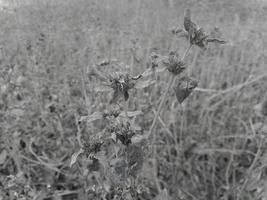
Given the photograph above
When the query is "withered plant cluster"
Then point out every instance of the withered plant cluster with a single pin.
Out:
(117, 153)
(113, 131)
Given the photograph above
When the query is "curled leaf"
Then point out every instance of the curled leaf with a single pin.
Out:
(95, 116)
(184, 88)
(216, 41)
(188, 24)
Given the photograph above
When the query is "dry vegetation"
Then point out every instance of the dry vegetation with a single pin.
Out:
(96, 103)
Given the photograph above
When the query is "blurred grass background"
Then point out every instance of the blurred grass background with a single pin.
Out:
(47, 46)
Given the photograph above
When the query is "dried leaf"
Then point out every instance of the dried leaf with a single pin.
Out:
(188, 24)
(125, 138)
(216, 41)
(131, 113)
(143, 84)
(184, 88)
(95, 116)
(115, 97)
(75, 156)
(3, 156)
(126, 95)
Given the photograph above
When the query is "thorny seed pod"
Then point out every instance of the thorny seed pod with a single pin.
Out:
(174, 64)
(197, 35)
(184, 88)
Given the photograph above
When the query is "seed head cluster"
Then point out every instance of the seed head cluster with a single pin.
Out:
(128, 159)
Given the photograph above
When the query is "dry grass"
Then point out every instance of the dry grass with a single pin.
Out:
(212, 146)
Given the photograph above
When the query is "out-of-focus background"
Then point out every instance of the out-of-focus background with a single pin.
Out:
(210, 147)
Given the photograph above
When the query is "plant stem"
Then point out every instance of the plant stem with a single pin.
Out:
(165, 95)
(125, 108)
(162, 101)
(161, 105)
(186, 52)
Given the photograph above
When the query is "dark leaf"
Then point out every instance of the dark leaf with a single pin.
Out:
(184, 88)
(125, 138)
(75, 156)
(115, 97)
(189, 26)
(216, 41)
(126, 95)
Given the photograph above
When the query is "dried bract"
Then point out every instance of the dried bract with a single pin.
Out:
(184, 88)
(174, 64)
(197, 35)
(124, 133)
(121, 83)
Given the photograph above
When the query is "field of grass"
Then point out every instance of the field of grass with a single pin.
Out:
(65, 135)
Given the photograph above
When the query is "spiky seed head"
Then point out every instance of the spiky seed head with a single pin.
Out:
(174, 63)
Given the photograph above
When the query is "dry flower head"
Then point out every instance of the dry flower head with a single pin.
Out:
(195, 34)
(174, 63)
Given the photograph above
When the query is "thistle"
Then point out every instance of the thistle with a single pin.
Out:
(121, 83)
(123, 132)
(174, 63)
(196, 34)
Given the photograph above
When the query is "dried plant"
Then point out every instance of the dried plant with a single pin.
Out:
(119, 153)
(174, 63)
(196, 34)
(121, 83)
(184, 88)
